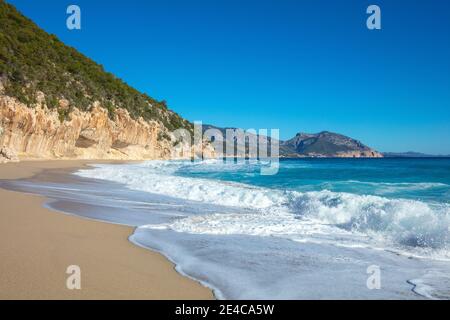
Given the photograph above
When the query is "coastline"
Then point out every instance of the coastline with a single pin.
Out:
(39, 244)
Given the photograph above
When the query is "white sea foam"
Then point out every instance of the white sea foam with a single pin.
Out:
(157, 177)
(342, 218)
(432, 285)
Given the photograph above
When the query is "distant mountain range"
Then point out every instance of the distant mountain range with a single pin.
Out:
(320, 145)
(327, 144)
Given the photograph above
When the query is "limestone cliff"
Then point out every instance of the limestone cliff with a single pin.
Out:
(38, 132)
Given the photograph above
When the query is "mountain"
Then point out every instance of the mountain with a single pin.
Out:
(323, 144)
(326, 144)
(57, 103)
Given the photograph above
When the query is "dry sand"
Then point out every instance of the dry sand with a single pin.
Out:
(37, 245)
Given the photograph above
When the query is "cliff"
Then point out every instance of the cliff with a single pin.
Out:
(38, 132)
(57, 103)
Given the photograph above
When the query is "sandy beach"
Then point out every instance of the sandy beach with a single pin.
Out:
(37, 246)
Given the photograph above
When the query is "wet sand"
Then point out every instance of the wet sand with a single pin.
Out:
(37, 246)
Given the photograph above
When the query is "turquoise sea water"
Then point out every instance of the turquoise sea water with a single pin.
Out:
(410, 178)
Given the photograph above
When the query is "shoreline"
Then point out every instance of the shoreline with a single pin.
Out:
(38, 244)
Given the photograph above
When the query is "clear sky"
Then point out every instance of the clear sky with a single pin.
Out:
(296, 65)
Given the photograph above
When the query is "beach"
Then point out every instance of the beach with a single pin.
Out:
(171, 229)
(37, 246)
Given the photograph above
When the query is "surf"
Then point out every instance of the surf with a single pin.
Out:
(397, 223)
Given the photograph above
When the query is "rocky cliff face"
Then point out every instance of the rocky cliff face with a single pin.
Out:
(38, 132)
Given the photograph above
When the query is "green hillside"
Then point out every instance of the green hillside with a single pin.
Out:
(32, 60)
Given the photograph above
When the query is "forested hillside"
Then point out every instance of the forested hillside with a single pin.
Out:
(32, 60)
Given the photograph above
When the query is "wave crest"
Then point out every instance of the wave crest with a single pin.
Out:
(292, 214)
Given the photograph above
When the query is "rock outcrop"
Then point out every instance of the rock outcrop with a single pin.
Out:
(7, 155)
(38, 132)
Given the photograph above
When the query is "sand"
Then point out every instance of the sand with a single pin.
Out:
(37, 245)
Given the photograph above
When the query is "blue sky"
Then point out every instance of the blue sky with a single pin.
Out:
(295, 65)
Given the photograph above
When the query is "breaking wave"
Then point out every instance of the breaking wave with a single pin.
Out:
(339, 217)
